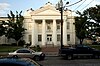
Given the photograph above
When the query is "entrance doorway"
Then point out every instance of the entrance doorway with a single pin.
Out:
(49, 42)
(49, 39)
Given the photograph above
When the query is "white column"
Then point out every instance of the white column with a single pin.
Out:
(64, 33)
(43, 33)
(54, 33)
(33, 33)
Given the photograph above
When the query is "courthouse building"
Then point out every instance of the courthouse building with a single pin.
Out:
(44, 26)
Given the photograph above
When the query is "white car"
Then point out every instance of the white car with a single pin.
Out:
(27, 53)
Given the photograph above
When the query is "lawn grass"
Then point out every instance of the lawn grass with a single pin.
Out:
(13, 48)
(9, 48)
(95, 46)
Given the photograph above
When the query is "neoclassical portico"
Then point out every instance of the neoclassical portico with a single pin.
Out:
(44, 26)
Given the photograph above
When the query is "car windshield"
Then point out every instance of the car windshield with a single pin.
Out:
(31, 50)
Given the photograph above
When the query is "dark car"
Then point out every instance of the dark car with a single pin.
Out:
(18, 62)
(79, 50)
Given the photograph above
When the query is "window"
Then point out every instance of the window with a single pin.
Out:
(39, 37)
(68, 25)
(23, 51)
(39, 26)
(58, 37)
(30, 26)
(30, 38)
(68, 37)
(58, 26)
(49, 25)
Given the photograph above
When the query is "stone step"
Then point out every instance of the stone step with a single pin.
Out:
(50, 49)
(51, 53)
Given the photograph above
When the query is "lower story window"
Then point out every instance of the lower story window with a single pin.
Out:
(68, 37)
(39, 37)
(58, 37)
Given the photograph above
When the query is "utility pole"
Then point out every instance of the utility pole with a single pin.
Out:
(60, 7)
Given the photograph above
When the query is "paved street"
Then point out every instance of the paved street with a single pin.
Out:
(58, 61)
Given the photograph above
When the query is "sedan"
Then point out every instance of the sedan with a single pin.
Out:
(27, 53)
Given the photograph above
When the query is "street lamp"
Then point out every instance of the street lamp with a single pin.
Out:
(60, 7)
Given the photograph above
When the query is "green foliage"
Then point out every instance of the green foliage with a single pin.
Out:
(80, 28)
(84, 22)
(21, 43)
(15, 27)
(2, 29)
(9, 48)
(93, 13)
(37, 48)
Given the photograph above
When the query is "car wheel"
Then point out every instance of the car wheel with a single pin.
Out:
(15, 56)
(69, 57)
(95, 56)
(37, 58)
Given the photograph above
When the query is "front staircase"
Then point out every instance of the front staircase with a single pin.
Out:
(50, 51)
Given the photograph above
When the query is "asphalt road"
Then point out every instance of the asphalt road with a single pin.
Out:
(58, 61)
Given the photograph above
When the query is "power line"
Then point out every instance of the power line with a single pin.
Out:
(86, 5)
(73, 3)
(79, 5)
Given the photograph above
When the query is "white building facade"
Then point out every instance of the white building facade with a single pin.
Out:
(44, 26)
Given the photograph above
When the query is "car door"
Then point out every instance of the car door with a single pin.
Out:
(83, 50)
(24, 53)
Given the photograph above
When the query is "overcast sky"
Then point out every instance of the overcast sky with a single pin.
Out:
(23, 5)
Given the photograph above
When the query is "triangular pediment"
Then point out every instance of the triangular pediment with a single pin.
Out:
(47, 9)
(48, 12)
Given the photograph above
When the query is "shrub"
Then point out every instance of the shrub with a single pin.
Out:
(21, 43)
(37, 48)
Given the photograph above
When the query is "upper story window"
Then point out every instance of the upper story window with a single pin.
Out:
(58, 24)
(49, 25)
(68, 25)
(30, 26)
(39, 24)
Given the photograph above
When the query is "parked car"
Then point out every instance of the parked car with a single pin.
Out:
(79, 50)
(27, 53)
(18, 62)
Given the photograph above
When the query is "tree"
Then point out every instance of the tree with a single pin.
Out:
(93, 13)
(15, 28)
(87, 24)
(2, 28)
(80, 28)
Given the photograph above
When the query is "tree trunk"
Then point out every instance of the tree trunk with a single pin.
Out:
(81, 41)
(17, 41)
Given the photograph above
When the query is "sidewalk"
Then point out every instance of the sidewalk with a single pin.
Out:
(50, 51)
